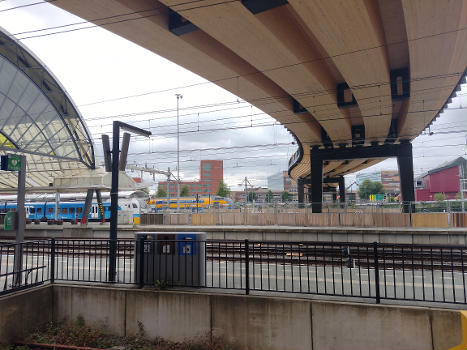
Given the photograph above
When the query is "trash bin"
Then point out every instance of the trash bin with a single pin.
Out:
(172, 258)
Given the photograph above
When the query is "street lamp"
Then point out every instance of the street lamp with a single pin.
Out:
(114, 191)
(178, 96)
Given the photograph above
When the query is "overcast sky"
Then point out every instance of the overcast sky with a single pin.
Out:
(111, 78)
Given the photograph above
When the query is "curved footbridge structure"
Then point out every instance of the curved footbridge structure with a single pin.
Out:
(354, 81)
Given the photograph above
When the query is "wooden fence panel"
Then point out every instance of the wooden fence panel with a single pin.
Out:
(203, 219)
(430, 220)
(459, 219)
(391, 220)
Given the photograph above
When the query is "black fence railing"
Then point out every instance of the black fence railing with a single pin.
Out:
(425, 273)
(28, 267)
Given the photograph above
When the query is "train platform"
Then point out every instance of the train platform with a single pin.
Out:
(453, 236)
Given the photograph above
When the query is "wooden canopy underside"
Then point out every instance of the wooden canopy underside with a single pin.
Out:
(302, 50)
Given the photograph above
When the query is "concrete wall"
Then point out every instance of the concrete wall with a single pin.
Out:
(254, 322)
(455, 236)
(22, 312)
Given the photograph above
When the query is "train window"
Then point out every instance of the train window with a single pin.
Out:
(39, 210)
(51, 210)
(64, 211)
(79, 210)
(32, 210)
(134, 205)
(72, 210)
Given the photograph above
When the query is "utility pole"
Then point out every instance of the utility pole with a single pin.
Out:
(179, 96)
(168, 188)
(246, 189)
(463, 179)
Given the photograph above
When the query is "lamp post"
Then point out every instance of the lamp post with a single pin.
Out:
(114, 191)
(178, 96)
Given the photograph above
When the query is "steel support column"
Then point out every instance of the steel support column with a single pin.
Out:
(20, 223)
(87, 206)
(301, 192)
(316, 184)
(405, 164)
(99, 205)
(114, 201)
(342, 190)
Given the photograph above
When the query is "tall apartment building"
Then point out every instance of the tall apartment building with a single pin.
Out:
(211, 173)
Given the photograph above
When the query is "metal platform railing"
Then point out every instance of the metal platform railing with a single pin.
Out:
(370, 271)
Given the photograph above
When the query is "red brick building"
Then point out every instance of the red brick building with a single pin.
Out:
(445, 179)
(211, 173)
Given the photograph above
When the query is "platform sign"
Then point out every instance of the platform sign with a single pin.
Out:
(10, 221)
(11, 162)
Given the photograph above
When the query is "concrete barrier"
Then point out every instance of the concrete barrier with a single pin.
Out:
(22, 312)
(448, 236)
(257, 322)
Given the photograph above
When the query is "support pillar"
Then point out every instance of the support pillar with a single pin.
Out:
(316, 184)
(301, 192)
(334, 197)
(57, 205)
(342, 190)
(87, 206)
(100, 206)
(20, 223)
(405, 164)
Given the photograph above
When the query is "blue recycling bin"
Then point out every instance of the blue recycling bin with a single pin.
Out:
(171, 258)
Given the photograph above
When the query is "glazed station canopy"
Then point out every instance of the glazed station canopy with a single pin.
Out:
(38, 119)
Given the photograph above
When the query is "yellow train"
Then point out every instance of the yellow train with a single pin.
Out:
(190, 203)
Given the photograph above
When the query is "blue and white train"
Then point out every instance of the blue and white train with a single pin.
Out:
(72, 211)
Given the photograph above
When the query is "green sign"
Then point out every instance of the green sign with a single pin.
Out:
(10, 221)
(11, 162)
(376, 197)
(14, 162)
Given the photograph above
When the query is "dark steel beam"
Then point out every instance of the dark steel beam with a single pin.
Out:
(405, 164)
(301, 191)
(380, 151)
(316, 184)
(342, 190)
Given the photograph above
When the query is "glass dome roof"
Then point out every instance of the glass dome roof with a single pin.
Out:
(38, 119)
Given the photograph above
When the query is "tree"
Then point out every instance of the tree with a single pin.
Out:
(252, 196)
(285, 197)
(161, 193)
(370, 187)
(269, 197)
(185, 192)
(222, 190)
(439, 197)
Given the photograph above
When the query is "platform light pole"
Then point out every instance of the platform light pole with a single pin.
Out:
(178, 96)
(114, 191)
